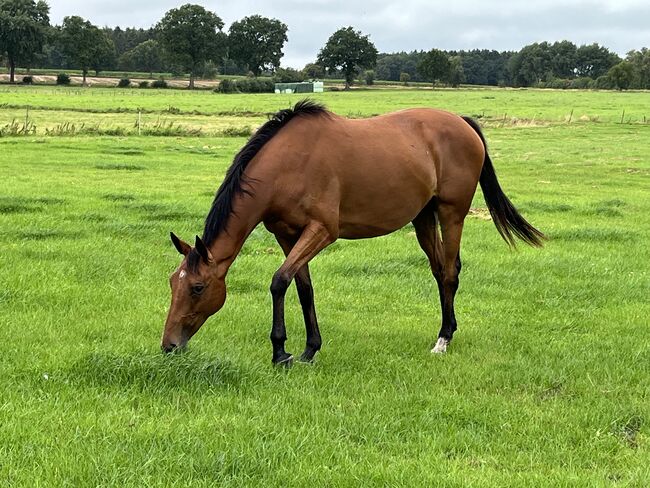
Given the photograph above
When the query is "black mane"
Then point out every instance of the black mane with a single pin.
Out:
(235, 182)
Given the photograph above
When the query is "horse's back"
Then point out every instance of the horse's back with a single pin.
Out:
(376, 174)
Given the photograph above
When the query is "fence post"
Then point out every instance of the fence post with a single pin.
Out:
(139, 120)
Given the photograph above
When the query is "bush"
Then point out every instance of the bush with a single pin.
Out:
(143, 84)
(313, 71)
(124, 83)
(62, 79)
(404, 78)
(369, 77)
(161, 83)
(225, 86)
(604, 83)
(246, 85)
(28, 80)
(554, 83)
(581, 83)
(288, 75)
(209, 71)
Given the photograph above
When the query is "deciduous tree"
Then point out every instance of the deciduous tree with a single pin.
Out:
(349, 51)
(435, 66)
(146, 56)
(257, 42)
(23, 28)
(594, 61)
(621, 75)
(84, 44)
(313, 71)
(190, 35)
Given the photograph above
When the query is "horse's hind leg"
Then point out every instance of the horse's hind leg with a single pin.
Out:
(451, 224)
(426, 229)
(444, 258)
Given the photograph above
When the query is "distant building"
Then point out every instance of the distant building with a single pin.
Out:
(302, 87)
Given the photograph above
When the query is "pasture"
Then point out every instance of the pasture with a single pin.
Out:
(546, 382)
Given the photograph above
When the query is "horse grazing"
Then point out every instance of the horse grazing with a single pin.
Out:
(313, 177)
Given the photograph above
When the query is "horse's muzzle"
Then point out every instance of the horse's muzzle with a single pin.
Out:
(168, 348)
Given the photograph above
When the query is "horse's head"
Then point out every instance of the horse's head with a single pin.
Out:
(197, 293)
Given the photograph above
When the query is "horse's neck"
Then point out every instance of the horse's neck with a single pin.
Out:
(245, 217)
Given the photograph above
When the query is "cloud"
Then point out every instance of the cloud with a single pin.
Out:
(406, 25)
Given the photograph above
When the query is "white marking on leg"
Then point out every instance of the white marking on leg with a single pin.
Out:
(441, 346)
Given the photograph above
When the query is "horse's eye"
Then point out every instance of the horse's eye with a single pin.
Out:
(197, 289)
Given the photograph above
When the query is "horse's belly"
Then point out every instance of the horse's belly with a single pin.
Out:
(386, 202)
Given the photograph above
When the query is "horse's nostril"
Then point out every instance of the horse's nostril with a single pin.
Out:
(168, 348)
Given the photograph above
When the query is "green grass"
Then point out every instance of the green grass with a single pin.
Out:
(545, 384)
(544, 105)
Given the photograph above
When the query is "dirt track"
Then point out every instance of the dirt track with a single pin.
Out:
(105, 81)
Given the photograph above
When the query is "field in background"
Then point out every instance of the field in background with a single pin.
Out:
(546, 382)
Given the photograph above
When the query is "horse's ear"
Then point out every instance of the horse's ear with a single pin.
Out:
(202, 250)
(181, 246)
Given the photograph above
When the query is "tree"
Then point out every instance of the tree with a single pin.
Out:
(640, 60)
(104, 53)
(563, 59)
(621, 75)
(532, 64)
(127, 39)
(435, 66)
(23, 28)
(391, 66)
(257, 42)
(84, 44)
(350, 51)
(313, 71)
(594, 60)
(288, 75)
(146, 56)
(190, 36)
(456, 71)
(369, 76)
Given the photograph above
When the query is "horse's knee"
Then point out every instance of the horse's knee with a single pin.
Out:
(279, 284)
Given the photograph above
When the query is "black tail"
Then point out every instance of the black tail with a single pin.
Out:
(507, 220)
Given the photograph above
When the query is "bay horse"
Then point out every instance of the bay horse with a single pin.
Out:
(312, 177)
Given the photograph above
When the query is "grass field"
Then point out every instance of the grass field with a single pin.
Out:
(545, 384)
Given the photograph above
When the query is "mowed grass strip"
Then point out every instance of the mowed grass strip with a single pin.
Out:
(545, 382)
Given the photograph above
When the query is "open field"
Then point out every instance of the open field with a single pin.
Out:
(546, 382)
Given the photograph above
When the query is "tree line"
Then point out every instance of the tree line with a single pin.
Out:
(545, 65)
(191, 39)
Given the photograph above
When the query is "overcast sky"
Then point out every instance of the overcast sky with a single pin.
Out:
(405, 25)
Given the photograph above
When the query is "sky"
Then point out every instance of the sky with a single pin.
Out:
(405, 25)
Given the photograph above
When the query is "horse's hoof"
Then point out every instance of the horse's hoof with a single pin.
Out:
(306, 359)
(285, 361)
(441, 346)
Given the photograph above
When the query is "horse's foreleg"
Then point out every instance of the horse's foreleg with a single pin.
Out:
(312, 240)
(306, 296)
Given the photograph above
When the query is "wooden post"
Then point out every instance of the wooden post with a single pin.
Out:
(622, 116)
(571, 116)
